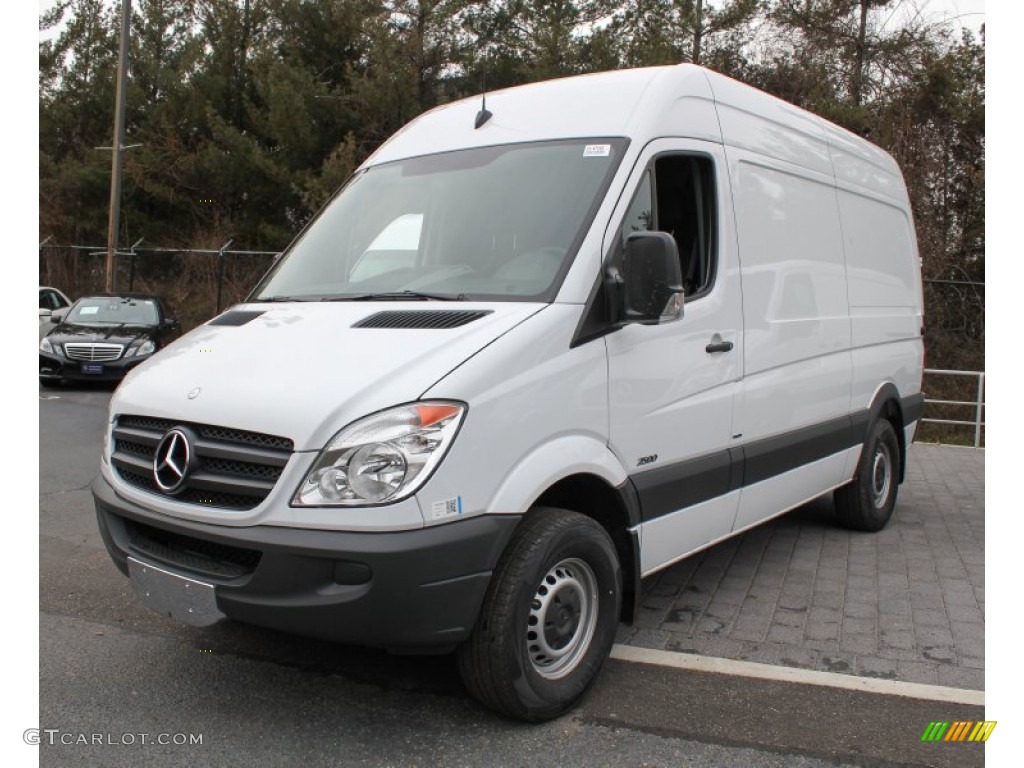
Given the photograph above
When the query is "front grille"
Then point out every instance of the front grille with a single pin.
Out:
(234, 469)
(191, 554)
(94, 353)
(209, 431)
(242, 468)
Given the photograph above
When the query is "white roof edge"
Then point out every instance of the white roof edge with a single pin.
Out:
(630, 112)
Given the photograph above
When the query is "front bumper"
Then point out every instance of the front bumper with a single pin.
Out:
(417, 590)
(56, 367)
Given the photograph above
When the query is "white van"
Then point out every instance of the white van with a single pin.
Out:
(534, 351)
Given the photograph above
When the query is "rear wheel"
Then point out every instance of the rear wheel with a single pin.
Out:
(866, 504)
(549, 617)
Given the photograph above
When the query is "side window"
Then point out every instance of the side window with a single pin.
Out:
(677, 196)
(640, 216)
(49, 300)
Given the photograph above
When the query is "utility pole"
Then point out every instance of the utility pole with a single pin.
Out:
(698, 29)
(118, 145)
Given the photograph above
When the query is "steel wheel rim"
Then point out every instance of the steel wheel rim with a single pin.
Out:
(881, 475)
(562, 619)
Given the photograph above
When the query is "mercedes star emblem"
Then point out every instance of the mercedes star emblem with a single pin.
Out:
(171, 461)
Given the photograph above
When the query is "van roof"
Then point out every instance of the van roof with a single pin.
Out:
(648, 103)
(600, 104)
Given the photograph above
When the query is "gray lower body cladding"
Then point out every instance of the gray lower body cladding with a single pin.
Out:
(409, 591)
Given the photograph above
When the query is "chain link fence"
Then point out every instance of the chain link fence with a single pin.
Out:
(954, 340)
(955, 310)
(196, 284)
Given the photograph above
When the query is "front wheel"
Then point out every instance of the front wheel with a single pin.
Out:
(549, 617)
(866, 504)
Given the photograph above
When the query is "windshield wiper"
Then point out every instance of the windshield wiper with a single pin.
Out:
(400, 296)
(287, 298)
(383, 296)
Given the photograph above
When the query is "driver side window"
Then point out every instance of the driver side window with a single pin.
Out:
(50, 300)
(640, 216)
(676, 195)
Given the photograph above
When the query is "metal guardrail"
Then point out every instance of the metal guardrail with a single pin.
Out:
(978, 403)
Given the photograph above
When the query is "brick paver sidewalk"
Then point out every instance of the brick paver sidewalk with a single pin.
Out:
(907, 603)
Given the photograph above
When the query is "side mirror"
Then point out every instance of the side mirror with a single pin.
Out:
(170, 323)
(58, 315)
(44, 314)
(652, 279)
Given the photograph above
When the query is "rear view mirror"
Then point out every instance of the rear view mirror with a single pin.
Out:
(45, 313)
(58, 315)
(652, 278)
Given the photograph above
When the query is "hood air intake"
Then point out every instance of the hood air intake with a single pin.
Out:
(431, 318)
(236, 317)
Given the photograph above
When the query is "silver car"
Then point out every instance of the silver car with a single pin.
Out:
(50, 299)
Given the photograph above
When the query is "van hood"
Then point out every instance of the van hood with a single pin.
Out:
(305, 370)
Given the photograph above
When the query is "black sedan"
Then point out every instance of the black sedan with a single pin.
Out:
(103, 336)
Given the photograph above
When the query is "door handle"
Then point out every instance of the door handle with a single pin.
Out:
(718, 346)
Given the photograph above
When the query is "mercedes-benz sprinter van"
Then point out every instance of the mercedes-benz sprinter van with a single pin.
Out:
(537, 348)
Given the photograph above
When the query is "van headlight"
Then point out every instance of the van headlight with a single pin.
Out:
(381, 458)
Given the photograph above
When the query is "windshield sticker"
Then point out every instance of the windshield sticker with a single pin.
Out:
(89, 310)
(446, 508)
(597, 150)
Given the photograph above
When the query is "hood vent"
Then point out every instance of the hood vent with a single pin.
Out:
(434, 319)
(236, 317)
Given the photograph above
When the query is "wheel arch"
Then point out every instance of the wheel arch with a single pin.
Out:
(579, 473)
(614, 508)
(887, 404)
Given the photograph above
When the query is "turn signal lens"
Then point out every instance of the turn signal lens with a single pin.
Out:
(431, 414)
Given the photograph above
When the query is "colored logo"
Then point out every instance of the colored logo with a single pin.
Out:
(958, 730)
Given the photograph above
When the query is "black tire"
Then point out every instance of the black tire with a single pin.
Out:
(49, 383)
(866, 504)
(560, 571)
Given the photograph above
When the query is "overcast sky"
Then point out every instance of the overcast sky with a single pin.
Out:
(970, 13)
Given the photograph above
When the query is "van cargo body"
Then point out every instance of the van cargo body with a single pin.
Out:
(527, 356)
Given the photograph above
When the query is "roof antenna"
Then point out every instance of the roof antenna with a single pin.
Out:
(484, 114)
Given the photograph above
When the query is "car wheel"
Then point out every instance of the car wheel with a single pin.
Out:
(548, 619)
(48, 382)
(866, 504)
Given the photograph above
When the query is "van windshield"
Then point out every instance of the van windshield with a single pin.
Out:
(490, 223)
